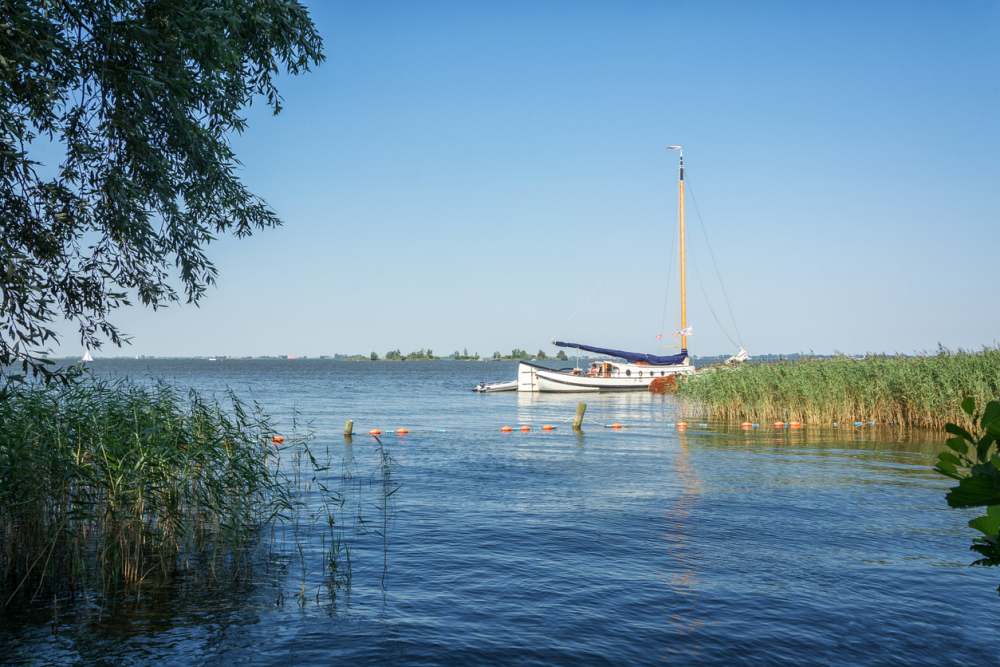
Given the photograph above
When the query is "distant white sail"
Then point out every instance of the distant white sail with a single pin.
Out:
(86, 357)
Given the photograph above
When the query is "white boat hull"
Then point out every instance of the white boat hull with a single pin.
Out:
(489, 388)
(626, 377)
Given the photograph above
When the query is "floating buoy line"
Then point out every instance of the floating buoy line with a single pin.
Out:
(278, 439)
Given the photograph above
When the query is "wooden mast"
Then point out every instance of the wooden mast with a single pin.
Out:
(680, 224)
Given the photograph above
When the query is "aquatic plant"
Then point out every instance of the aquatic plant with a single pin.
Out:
(972, 459)
(111, 485)
(920, 391)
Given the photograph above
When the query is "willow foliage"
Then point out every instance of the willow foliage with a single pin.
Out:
(116, 170)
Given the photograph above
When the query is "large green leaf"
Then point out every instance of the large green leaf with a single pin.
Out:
(958, 444)
(991, 415)
(978, 484)
(984, 445)
(949, 459)
(955, 429)
(975, 491)
(947, 469)
(988, 524)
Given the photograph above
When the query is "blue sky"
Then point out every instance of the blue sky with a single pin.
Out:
(495, 176)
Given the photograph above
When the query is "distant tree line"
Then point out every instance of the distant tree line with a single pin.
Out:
(518, 354)
(428, 354)
(397, 355)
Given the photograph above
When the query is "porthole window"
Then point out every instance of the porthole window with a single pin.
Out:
(628, 372)
(640, 373)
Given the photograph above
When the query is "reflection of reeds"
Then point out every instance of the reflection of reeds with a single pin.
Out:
(922, 391)
(110, 485)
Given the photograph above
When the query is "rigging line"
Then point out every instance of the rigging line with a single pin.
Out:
(708, 302)
(715, 264)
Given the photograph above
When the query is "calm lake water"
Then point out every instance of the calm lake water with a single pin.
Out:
(639, 546)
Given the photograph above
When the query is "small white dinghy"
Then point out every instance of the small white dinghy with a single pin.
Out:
(490, 387)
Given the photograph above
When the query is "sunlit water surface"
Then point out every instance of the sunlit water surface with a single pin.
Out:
(642, 546)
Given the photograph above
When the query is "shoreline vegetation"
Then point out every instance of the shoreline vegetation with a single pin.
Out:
(895, 390)
(109, 487)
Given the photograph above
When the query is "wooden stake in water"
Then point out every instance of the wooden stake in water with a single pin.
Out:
(349, 428)
(581, 408)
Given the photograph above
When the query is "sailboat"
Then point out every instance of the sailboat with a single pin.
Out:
(86, 356)
(637, 370)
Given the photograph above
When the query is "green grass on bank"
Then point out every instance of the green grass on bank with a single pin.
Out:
(111, 485)
(918, 391)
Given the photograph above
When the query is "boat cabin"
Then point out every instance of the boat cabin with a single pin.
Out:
(611, 369)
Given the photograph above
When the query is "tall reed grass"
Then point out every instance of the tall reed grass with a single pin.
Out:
(917, 391)
(112, 485)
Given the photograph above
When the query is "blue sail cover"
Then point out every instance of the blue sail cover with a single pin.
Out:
(634, 357)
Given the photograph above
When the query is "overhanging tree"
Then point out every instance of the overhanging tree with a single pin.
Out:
(137, 99)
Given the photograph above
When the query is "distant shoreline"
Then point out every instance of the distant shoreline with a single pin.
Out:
(302, 358)
(698, 360)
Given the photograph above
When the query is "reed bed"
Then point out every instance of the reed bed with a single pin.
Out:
(113, 485)
(912, 391)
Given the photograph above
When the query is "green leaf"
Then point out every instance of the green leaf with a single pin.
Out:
(947, 465)
(989, 524)
(983, 446)
(968, 405)
(955, 429)
(991, 415)
(958, 444)
(975, 491)
(948, 457)
(948, 470)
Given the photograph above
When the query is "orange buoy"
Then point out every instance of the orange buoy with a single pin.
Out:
(548, 427)
(616, 425)
(795, 425)
(506, 429)
(779, 424)
(402, 431)
(375, 431)
(682, 424)
(746, 425)
(525, 428)
(277, 439)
